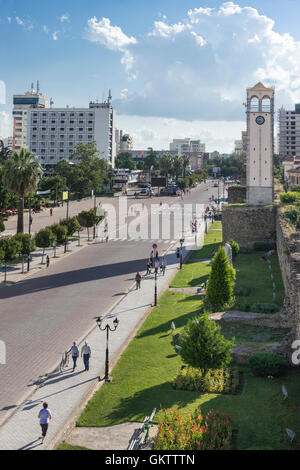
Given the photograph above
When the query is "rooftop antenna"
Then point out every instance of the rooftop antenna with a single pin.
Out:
(109, 96)
(38, 86)
(32, 88)
(51, 102)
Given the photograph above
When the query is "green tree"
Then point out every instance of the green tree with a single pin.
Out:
(60, 231)
(57, 184)
(124, 160)
(219, 290)
(21, 175)
(72, 225)
(44, 239)
(88, 219)
(185, 164)
(2, 225)
(10, 247)
(203, 346)
(27, 245)
(166, 165)
(177, 165)
(151, 160)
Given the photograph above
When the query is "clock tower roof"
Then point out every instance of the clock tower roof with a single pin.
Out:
(260, 87)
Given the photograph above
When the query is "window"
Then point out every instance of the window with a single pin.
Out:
(80, 129)
(53, 129)
(34, 121)
(71, 122)
(90, 129)
(80, 122)
(71, 129)
(44, 122)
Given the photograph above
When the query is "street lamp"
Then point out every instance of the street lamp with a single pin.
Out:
(181, 243)
(107, 328)
(66, 241)
(29, 231)
(94, 230)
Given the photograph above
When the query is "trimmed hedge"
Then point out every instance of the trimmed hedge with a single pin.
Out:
(264, 364)
(264, 307)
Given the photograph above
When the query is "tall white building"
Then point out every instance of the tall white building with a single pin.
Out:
(22, 104)
(53, 133)
(186, 146)
(289, 132)
(124, 142)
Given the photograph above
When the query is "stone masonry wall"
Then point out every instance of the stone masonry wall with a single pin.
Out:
(236, 194)
(249, 224)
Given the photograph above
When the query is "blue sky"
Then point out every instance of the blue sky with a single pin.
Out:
(176, 69)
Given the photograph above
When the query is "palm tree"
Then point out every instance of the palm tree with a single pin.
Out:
(177, 165)
(185, 164)
(166, 164)
(21, 173)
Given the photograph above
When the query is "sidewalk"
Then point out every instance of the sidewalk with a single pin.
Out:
(68, 392)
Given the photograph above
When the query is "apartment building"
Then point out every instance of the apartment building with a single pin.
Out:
(53, 133)
(289, 132)
(21, 106)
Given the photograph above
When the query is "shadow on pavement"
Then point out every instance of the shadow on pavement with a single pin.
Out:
(77, 276)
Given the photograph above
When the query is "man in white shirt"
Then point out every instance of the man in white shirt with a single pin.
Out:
(86, 354)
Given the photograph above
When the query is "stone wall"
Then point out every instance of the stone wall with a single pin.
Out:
(249, 224)
(288, 249)
(236, 194)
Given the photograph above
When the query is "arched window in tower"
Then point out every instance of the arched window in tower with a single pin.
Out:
(254, 104)
(266, 104)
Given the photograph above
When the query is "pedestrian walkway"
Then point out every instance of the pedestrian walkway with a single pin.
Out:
(66, 391)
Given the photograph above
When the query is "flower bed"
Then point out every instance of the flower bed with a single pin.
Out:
(194, 432)
(225, 380)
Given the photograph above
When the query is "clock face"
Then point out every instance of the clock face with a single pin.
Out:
(260, 120)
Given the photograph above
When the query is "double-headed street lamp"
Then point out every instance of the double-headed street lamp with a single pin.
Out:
(181, 243)
(107, 328)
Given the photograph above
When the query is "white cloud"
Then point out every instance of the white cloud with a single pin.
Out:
(45, 29)
(9, 19)
(238, 47)
(54, 36)
(19, 21)
(112, 37)
(158, 132)
(64, 17)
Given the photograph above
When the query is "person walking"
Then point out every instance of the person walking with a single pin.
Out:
(163, 265)
(75, 354)
(156, 265)
(138, 279)
(51, 211)
(86, 354)
(47, 261)
(148, 267)
(151, 258)
(44, 417)
(106, 237)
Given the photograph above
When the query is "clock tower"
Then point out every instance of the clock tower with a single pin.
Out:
(260, 144)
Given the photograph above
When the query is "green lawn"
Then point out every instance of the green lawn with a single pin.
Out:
(212, 240)
(142, 381)
(254, 273)
(191, 274)
(65, 446)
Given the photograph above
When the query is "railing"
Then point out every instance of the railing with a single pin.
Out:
(139, 436)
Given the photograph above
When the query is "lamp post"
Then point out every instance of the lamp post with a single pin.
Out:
(107, 328)
(66, 241)
(181, 243)
(94, 230)
(29, 231)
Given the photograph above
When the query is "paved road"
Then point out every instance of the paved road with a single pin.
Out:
(42, 315)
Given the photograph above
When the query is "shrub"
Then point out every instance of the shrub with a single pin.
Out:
(177, 432)
(219, 290)
(224, 380)
(2, 225)
(263, 307)
(295, 188)
(292, 216)
(246, 250)
(235, 248)
(263, 246)
(44, 239)
(60, 232)
(203, 346)
(290, 197)
(264, 364)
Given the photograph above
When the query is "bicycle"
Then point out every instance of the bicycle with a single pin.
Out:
(64, 361)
